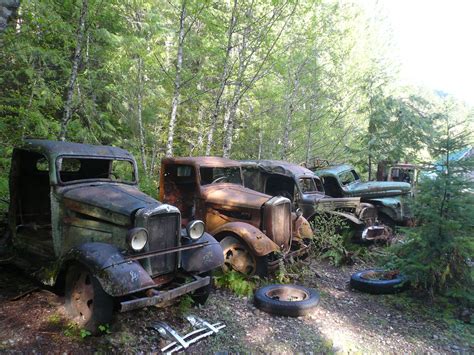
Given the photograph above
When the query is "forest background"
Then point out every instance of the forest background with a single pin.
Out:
(253, 79)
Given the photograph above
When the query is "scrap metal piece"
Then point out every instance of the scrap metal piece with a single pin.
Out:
(182, 342)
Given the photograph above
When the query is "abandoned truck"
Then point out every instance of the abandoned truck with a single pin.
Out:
(255, 230)
(389, 197)
(305, 190)
(78, 220)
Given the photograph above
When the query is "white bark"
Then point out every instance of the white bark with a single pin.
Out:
(177, 82)
(223, 79)
(76, 59)
(141, 130)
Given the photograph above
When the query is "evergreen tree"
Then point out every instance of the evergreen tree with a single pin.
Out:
(438, 250)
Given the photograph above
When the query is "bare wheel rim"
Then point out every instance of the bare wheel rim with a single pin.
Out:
(237, 257)
(82, 297)
(287, 294)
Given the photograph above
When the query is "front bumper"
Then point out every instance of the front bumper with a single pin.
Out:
(155, 297)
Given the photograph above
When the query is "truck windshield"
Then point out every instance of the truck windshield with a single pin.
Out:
(308, 185)
(348, 177)
(220, 175)
(75, 169)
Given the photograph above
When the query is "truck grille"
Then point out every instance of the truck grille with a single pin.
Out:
(163, 233)
(277, 221)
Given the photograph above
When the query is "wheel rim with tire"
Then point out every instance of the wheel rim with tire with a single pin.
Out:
(86, 302)
(237, 257)
(286, 300)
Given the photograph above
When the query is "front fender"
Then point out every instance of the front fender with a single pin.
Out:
(302, 228)
(116, 276)
(202, 259)
(258, 242)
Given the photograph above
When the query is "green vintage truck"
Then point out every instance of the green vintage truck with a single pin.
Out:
(78, 221)
(389, 197)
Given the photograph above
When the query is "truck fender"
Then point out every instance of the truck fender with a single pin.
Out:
(202, 259)
(258, 242)
(347, 216)
(117, 276)
(301, 228)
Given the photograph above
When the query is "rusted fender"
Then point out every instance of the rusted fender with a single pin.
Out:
(301, 227)
(258, 242)
(117, 276)
(202, 259)
(348, 216)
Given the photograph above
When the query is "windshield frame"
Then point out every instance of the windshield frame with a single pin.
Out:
(111, 158)
(308, 192)
(221, 167)
(352, 172)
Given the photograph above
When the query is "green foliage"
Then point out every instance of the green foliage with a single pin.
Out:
(185, 304)
(330, 239)
(104, 328)
(437, 251)
(236, 282)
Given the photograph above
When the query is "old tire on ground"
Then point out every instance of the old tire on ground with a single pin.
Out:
(238, 257)
(86, 302)
(286, 300)
(201, 295)
(369, 281)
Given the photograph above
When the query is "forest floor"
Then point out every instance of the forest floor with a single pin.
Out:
(345, 321)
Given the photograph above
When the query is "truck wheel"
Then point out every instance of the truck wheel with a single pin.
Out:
(379, 281)
(286, 300)
(238, 257)
(86, 302)
(201, 295)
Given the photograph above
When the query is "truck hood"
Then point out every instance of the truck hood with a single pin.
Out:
(101, 200)
(231, 195)
(377, 189)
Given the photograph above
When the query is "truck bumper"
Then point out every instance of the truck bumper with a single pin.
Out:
(155, 297)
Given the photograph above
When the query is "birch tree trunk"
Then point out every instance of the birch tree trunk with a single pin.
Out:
(141, 131)
(177, 82)
(289, 118)
(76, 59)
(223, 79)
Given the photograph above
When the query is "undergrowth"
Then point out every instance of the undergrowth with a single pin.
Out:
(238, 283)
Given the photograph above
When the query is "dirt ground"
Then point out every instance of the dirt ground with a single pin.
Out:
(345, 321)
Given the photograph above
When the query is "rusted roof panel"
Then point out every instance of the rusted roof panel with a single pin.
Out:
(57, 148)
(214, 162)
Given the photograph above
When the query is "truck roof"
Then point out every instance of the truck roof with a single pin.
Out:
(54, 149)
(279, 167)
(212, 162)
(333, 170)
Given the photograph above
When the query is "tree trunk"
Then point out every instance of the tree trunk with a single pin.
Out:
(177, 82)
(141, 131)
(75, 65)
(223, 79)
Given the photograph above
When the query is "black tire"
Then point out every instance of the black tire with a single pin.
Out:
(266, 299)
(86, 302)
(201, 295)
(360, 281)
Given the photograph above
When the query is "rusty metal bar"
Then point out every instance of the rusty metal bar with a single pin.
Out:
(163, 296)
(165, 251)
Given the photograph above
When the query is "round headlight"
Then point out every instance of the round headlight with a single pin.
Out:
(195, 229)
(137, 238)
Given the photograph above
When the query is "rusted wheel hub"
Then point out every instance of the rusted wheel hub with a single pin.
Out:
(237, 257)
(82, 299)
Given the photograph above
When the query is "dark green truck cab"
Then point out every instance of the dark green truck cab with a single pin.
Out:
(78, 220)
(389, 197)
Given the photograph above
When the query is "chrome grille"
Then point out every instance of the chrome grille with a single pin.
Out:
(277, 221)
(163, 233)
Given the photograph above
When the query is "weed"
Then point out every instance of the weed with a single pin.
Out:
(185, 304)
(239, 284)
(104, 328)
(54, 320)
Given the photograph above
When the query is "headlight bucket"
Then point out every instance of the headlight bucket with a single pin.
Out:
(137, 238)
(195, 229)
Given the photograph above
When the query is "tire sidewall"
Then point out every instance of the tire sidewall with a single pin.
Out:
(395, 285)
(286, 308)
